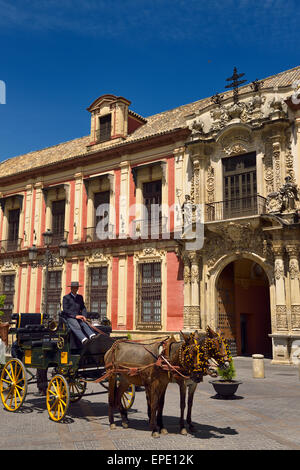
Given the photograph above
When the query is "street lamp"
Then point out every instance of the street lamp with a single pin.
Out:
(49, 259)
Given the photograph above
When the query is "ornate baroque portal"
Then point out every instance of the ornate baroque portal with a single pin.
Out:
(243, 176)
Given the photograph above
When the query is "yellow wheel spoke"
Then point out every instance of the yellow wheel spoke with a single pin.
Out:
(7, 381)
(6, 370)
(63, 402)
(10, 392)
(13, 385)
(58, 397)
(54, 404)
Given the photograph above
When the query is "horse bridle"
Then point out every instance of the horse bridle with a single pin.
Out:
(202, 364)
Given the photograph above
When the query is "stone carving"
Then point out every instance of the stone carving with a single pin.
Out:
(187, 274)
(274, 202)
(294, 269)
(278, 269)
(277, 107)
(237, 238)
(210, 184)
(268, 168)
(249, 111)
(197, 128)
(281, 317)
(283, 200)
(295, 317)
(289, 194)
(236, 142)
(191, 317)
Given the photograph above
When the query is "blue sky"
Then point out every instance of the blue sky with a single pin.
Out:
(58, 56)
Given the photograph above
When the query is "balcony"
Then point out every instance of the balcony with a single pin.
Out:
(93, 235)
(145, 228)
(10, 245)
(57, 238)
(235, 208)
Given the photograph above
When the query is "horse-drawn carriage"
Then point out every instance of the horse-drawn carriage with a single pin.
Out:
(43, 344)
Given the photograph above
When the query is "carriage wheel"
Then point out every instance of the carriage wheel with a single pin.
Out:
(128, 397)
(77, 389)
(58, 398)
(13, 384)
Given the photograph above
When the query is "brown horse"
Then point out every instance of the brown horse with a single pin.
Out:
(141, 364)
(211, 346)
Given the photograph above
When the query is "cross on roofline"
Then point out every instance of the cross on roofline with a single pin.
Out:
(235, 84)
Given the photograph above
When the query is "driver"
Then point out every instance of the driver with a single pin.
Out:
(74, 312)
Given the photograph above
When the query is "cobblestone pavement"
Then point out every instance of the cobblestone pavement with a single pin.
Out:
(265, 415)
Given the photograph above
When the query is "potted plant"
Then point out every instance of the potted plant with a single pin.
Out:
(226, 387)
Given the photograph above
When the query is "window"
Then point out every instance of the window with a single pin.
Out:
(240, 186)
(8, 289)
(105, 128)
(98, 290)
(152, 199)
(149, 295)
(58, 221)
(54, 293)
(13, 229)
(100, 199)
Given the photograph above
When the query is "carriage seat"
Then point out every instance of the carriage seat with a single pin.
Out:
(29, 325)
(75, 344)
(31, 332)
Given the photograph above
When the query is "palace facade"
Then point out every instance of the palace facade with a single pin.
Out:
(236, 157)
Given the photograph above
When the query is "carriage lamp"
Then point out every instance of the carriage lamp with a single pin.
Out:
(47, 237)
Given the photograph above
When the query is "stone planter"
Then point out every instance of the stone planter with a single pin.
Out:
(225, 389)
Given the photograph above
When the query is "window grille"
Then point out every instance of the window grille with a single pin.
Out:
(149, 296)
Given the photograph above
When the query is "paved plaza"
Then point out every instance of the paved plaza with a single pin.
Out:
(265, 414)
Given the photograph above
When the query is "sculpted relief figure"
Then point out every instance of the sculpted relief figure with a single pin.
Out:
(289, 194)
(285, 199)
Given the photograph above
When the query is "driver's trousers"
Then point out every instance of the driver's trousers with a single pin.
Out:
(80, 328)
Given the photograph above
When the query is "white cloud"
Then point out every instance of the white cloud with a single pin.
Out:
(211, 21)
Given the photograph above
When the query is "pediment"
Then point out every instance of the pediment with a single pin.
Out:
(105, 100)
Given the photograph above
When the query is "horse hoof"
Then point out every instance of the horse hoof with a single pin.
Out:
(125, 425)
(183, 432)
(164, 431)
(155, 435)
(113, 426)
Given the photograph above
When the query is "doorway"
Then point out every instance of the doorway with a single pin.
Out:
(244, 308)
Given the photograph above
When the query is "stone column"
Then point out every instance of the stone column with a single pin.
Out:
(293, 251)
(124, 187)
(195, 291)
(187, 281)
(28, 225)
(77, 206)
(281, 310)
(196, 180)
(280, 338)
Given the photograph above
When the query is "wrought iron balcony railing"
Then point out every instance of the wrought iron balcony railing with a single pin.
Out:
(147, 228)
(10, 245)
(91, 234)
(57, 238)
(235, 208)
